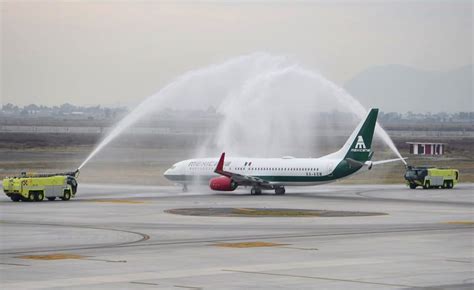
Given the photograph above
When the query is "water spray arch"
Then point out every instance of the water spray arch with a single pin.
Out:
(262, 97)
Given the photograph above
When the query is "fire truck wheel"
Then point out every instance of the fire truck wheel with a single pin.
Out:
(31, 196)
(39, 196)
(427, 185)
(15, 198)
(66, 195)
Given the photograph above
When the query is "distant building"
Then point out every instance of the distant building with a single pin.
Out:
(426, 148)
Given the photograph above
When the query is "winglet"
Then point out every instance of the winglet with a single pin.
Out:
(220, 164)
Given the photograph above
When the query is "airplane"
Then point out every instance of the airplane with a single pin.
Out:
(227, 174)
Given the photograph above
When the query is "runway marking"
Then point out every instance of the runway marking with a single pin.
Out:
(118, 201)
(59, 256)
(460, 223)
(320, 278)
(248, 245)
(144, 237)
(437, 227)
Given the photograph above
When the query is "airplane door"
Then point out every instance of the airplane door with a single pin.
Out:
(330, 168)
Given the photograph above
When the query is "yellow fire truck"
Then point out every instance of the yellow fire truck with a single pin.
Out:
(430, 177)
(35, 187)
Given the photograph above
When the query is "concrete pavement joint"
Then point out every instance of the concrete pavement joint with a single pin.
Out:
(144, 283)
(14, 264)
(320, 278)
(187, 287)
(108, 261)
(303, 249)
(459, 261)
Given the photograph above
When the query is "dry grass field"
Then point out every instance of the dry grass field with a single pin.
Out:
(143, 161)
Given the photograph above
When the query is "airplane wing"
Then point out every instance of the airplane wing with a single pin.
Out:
(239, 178)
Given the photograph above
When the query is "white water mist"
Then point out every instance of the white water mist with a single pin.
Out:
(268, 104)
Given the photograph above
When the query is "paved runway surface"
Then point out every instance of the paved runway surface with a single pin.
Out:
(120, 237)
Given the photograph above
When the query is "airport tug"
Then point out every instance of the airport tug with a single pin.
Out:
(36, 187)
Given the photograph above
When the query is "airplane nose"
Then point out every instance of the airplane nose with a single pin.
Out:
(167, 173)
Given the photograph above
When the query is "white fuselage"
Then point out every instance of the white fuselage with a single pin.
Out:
(281, 171)
(275, 173)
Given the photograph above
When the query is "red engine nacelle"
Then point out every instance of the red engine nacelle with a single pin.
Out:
(222, 183)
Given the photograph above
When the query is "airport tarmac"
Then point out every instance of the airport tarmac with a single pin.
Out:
(121, 237)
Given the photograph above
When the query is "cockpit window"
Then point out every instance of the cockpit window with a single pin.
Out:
(410, 173)
(173, 167)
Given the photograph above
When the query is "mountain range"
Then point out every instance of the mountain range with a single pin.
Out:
(399, 88)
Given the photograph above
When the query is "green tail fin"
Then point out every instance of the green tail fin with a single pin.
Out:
(358, 146)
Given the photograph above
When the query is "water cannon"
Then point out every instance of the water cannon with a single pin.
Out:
(74, 174)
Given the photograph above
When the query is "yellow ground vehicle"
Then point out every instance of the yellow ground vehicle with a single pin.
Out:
(430, 177)
(35, 187)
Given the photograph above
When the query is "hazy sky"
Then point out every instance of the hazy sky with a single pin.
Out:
(110, 52)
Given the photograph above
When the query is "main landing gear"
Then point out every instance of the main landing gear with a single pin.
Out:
(185, 188)
(255, 191)
(279, 190)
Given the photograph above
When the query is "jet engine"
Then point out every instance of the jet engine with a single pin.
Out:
(369, 164)
(222, 183)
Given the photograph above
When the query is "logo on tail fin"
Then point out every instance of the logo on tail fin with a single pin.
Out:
(360, 145)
